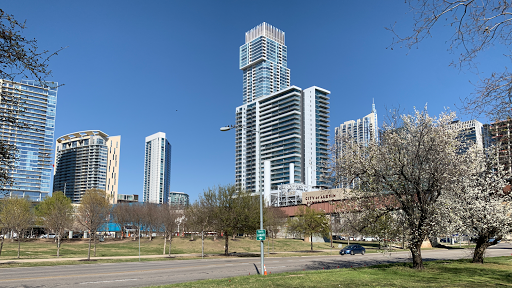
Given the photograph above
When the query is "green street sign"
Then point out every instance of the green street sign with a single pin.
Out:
(260, 234)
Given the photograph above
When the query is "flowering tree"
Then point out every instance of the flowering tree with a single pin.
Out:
(481, 207)
(409, 169)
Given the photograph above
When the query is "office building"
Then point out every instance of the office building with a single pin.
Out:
(32, 172)
(263, 60)
(87, 160)
(179, 198)
(157, 169)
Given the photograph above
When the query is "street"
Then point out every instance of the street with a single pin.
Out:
(141, 274)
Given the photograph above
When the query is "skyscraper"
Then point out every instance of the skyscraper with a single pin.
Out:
(86, 160)
(282, 124)
(32, 171)
(157, 169)
(472, 132)
(263, 60)
(362, 130)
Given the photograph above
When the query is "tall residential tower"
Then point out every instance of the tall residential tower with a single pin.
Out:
(86, 160)
(33, 168)
(263, 60)
(157, 169)
(279, 123)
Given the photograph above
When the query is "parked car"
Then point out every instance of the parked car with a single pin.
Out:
(353, 249)
(370, 239)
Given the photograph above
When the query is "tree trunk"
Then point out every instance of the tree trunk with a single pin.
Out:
(481, 245)
(94, 243)
(202, 244)
(122, 231)
(19, 244)
(150, 235)
(58, 245)
(2, 245)
(170, 243)
(417, 261)
(165, 242)
(311, 241)
(226, 243)
(89, 250)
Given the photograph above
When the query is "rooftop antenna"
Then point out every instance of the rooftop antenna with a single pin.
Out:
(373, 105)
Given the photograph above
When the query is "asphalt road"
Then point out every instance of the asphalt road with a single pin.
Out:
(141, 274)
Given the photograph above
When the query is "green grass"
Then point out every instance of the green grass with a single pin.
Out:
(497, 271)
(46, 248)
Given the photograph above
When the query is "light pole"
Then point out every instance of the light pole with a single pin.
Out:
(262, 247)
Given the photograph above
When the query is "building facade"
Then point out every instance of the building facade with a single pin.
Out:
(179, 199)
(157, 169)
(87, 160)
(32, 172)
(472, 132)
(290, 129)
(282, 124)
(263, 60)
(501, 132)
(361, 131)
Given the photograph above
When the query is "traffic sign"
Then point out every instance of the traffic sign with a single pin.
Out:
(260, 234)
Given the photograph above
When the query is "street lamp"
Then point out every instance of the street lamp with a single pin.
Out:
(262, 251)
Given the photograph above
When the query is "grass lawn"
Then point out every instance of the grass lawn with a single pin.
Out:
(47, 248)
(497, 271)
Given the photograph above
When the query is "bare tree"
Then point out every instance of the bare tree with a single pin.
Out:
(200, 216)
(150, 218)
(121, 216)
(17, 216)
(415, 162)
(136, 217)
(477, 26)
(169, 215)
(93, 213)
(274, 220)
(56, 214)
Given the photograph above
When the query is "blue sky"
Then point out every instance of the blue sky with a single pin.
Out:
(134, 68)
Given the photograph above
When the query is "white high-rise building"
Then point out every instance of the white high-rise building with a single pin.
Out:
(362, 131)
(281, 127)
(157, 169)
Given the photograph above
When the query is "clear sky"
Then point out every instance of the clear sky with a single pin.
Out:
(134, 68)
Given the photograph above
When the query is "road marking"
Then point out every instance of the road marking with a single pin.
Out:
(107, 281)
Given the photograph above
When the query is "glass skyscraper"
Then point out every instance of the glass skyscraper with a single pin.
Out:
(32, 172)
(157, 169)
(263, 60)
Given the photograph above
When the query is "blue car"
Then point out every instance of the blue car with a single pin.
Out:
(353, 249)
